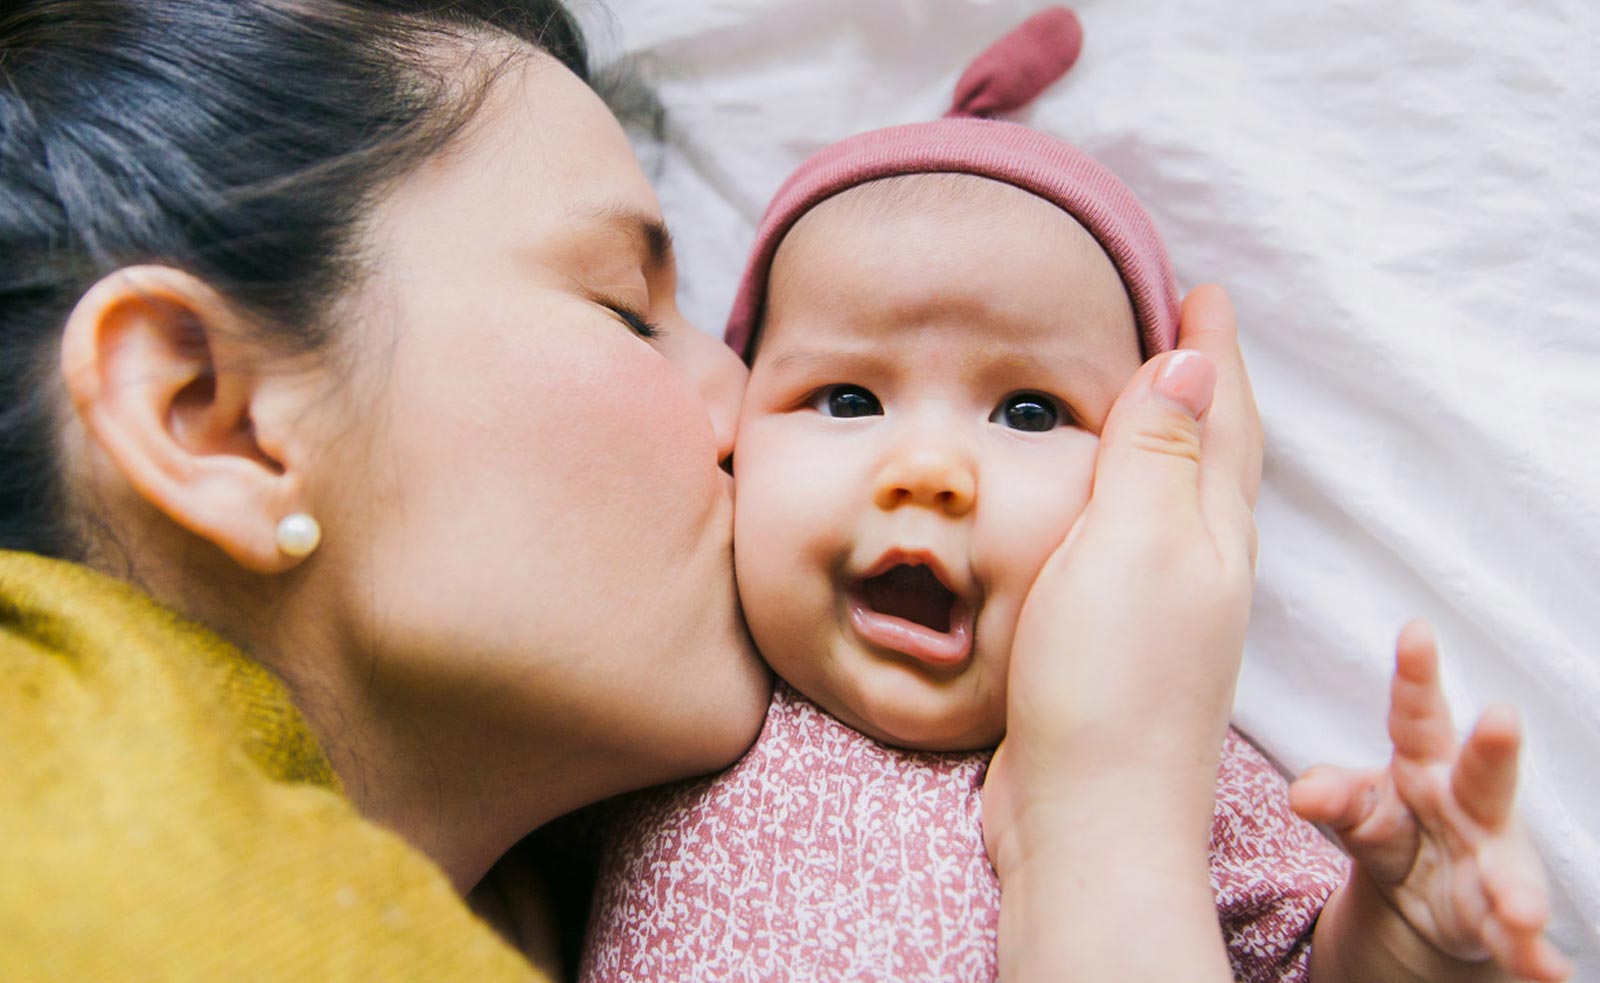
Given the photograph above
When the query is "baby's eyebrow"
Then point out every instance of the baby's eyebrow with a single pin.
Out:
(813, 359)
(649, 233)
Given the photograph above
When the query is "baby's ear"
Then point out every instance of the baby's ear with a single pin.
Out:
(164, 375)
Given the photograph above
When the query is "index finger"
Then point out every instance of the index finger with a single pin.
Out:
(1233, 425)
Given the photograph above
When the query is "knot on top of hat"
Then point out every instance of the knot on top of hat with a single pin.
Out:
(1010, 73)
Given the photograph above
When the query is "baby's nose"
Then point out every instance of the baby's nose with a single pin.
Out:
(932, 476)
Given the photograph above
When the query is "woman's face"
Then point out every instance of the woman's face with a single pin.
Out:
(533, 531)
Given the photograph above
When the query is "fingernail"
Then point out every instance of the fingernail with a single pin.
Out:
(1188, 378)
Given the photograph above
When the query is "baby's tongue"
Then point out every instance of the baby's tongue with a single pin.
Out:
(912, 593)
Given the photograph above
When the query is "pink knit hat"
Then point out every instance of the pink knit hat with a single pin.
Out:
(1004, 78)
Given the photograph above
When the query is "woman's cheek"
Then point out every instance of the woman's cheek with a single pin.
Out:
(629, 444)
(658, 407)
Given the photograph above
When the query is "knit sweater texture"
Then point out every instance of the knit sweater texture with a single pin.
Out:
(166, 813)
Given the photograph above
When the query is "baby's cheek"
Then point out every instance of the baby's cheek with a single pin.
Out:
(1028, 514)
(1021, 524)
(782, 514)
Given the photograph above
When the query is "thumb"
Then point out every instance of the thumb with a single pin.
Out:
(1341, 798)
(1149, 459)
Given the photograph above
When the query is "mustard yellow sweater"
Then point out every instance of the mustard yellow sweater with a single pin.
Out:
(165, 814)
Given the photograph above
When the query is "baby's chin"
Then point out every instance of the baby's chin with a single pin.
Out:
(918, 717)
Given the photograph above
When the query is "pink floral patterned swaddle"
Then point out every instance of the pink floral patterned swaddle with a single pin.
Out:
(825, 856)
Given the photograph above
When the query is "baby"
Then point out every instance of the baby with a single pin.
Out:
(938, 318)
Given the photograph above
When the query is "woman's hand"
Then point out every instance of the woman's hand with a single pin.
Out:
(1097, 807)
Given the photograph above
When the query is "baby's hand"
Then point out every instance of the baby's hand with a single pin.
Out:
(1435, 831)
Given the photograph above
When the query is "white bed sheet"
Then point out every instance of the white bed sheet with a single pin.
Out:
(1403, 199)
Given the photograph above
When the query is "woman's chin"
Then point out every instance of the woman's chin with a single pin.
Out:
(732, 715)
(724, 685)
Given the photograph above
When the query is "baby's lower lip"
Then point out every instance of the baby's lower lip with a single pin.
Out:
(937, 649)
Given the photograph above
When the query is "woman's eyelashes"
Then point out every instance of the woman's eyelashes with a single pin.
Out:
(642, 326)
(845, 401)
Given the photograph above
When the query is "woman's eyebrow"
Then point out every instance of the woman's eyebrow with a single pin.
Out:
(652, 240)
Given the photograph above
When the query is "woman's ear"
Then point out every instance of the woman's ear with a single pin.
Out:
(161, 371)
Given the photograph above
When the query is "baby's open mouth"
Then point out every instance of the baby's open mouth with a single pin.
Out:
(908, 609)
(911, 592)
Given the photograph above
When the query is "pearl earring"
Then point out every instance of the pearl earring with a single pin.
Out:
(298, 535)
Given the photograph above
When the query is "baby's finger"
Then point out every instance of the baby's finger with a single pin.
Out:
(1340, 798)
(1419, 717)
(1361, 808)
(1484, 779)
(1522, 906)
(1544, 963)
(1526, 957)
(1519, 909)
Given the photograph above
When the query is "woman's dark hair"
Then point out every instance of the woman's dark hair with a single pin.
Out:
(239, 140)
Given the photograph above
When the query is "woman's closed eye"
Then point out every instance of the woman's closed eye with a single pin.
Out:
(845, 401)
(641, 325)
(1030, 412)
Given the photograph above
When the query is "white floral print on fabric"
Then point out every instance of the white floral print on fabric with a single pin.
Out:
(824, 856)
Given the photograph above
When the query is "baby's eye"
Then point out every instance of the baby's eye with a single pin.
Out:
(846, 401)
(1029, 411)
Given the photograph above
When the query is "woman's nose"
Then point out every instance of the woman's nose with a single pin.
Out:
(934, 475)
(719, 377)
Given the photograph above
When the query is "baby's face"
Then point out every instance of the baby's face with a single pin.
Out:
(938, 356)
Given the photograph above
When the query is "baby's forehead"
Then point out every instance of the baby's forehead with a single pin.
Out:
(993, 262)
(952, 196)
(906, 227)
